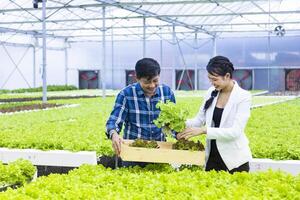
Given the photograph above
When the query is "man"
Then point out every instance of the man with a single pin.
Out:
(135, 106)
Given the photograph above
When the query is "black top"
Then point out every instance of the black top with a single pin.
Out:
(217, 116)
(214, 153)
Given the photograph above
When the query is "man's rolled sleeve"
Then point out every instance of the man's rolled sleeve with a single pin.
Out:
(117, 116)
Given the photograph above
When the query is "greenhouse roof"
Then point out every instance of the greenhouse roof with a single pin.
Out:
(125, 20)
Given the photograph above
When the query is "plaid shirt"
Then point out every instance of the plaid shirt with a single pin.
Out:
(137, 111)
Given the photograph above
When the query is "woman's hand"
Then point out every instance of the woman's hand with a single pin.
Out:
(191, 132)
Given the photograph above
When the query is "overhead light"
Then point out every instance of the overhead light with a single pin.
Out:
(36, 3)
(279, 30)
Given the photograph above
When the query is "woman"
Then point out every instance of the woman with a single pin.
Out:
(225, 113)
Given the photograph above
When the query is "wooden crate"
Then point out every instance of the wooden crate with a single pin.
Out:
(164, 154)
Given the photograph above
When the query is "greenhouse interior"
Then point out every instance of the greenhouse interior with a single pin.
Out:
(150, 99)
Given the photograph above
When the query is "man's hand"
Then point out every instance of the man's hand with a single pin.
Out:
(116, 142)
(191, 132)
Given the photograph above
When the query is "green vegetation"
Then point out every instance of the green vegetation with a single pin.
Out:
(158, 182)
(18, 107)
(77, 129)
(18, 173)
(40, 89)
(172, 117)
(273, 131)
(145, 144)
(261, 100)
(17, 104)
(183, 144)
(52, 94)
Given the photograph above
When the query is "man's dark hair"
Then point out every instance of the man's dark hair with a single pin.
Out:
(147, 68)
(220, 65)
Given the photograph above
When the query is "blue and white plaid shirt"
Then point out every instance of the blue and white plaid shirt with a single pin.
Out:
(137, 111)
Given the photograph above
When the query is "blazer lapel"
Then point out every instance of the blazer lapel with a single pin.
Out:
(229, 103)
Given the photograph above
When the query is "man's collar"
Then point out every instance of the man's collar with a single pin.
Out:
(140, 90)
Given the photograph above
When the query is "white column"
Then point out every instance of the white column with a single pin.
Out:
(174, 59)
(112, 58)
(144, 37)
(66, 61)
(44, 54)
(161, 51)
(214, 46)
(269, 45)
(34, 62)
(196, 61)
(269, 59)
(103, 72)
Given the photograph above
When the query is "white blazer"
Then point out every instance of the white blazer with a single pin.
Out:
(231, 140)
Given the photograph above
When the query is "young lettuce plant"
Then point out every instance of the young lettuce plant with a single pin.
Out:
(172, 117)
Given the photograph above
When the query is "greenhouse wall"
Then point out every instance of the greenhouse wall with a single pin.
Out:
(245, 53)
(16, 68)
(23, 76)
(275, 82)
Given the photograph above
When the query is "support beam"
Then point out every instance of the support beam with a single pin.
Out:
(144, 37)
(167, 26)
(66, 61)
(95, 40)
(161, 51)
(269, 60)
(186, 32)
(267, 13)
(129, 3)
(154, 15)
(82, 6)
(196, 61)
(103, 72)
(34, 68)
(27, 32)
(11, 30)
(214, 53)
(112, 59)
(128, 34)
(34, 63)
(52, 48)
(44, 53)
(174, 59)
(15, 44)
(269, 48)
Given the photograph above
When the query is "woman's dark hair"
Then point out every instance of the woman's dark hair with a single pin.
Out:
(147, 68)
(210, 100)
(218, 65)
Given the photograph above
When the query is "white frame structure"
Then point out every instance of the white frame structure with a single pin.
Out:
(96, 20)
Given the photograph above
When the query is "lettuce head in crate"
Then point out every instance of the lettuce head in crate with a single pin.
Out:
(172, 117)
